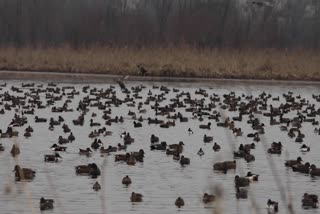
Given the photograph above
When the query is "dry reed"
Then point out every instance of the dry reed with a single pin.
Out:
(170, 61)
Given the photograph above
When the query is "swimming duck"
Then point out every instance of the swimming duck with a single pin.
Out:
(71, 137)
(57, 148)
(249, 157)
(290, 163)
(309, 201)
(136, 197)
(96, 144)
(131, 160)
(161, 146)
(302, 168)
(27, 134)
(96, 186)
(252, 177)
(126, 180)
(94, 123)
(23, 173)
(52, 158)
(273, 205)
(91, 169)
(208, 126)
(87, 151)
(304, 148)
(179, 202)
(241, 181)
(154, 139)
(136, 124)
(208, 198)
(184, 161)
(207, 139)
(15, 150)
(225, 166)
(314, 171)
(62, 140)
(46, 204)
(122, 147)
(216, 147)
(241, 193)
(190, 131)
(200, 152)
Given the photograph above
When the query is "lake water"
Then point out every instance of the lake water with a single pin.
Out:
(160, 179)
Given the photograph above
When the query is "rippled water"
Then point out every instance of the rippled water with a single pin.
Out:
(160, 179)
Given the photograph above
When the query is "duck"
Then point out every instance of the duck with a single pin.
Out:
(87, 151)
(126, 180)
(314, 171)
(57, 148)
(216, 147)
(23, 173)
(256, 137)
(46, 204)
(154, 139)
(200, 152)
(71, 137)
(249, 157)
(225, 165)
(184, 161)
(121, 147)
(96, 144)
(309, 201)
(304, 148)
(302, 168)
(162, 146)
(110, 149)
(207, 198)
(62, 140)
(137, 124)
(241, 181)
(207, 139)
(190, 131)
(96, 186)
(29, 129)
(91, 169)
(208, 126)
(136, 197)
(177, 147)
(131, 160)
(274, 151)
(27, 134)
(252, 177)
(15, 150)
(290, 163)
(241, 193)
(272, 205)
(291, 134)
(94, 124)
(179, 202)
(52, 158)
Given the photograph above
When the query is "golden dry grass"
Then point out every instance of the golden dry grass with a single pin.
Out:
(181, 62)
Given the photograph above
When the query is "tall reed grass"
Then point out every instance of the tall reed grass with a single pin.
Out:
(182, 61)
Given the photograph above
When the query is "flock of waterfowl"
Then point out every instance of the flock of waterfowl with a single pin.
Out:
(204, 106)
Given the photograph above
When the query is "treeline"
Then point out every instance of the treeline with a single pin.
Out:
(201, 23)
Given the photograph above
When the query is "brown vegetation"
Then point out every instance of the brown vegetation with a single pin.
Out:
(180, 62)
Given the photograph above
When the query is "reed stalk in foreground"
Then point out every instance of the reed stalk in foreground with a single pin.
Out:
(170, 61)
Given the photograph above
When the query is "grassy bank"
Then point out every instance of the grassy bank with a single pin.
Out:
(180, 62)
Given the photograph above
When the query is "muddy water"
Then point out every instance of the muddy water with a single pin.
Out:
(160, 179)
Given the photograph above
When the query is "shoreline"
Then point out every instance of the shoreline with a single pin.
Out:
(76, 77)
(185, 63)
